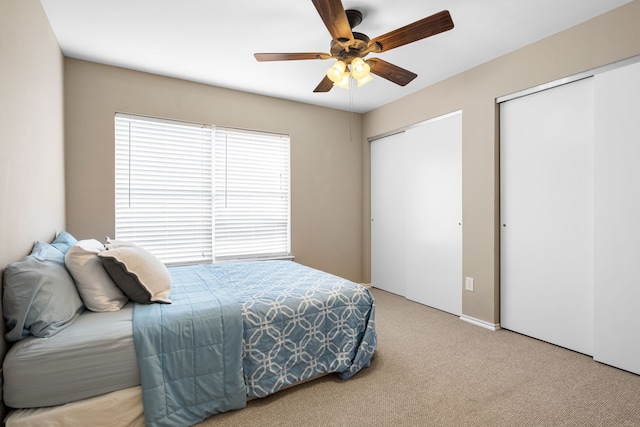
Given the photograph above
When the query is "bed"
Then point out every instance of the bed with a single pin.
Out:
(220, 335)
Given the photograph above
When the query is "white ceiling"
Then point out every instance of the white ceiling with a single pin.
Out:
(213, 41)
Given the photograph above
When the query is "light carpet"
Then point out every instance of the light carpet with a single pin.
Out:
(432, 369)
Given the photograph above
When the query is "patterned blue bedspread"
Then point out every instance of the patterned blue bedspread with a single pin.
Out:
(274, 322)
(299, 323)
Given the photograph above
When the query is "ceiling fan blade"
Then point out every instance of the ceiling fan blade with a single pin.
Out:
(262, 57)
(335, 19)
(325, 85)
(391, 72)
(426, 27)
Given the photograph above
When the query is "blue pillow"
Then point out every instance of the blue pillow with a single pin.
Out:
(47, 252)
(40, 297)
(63, 242)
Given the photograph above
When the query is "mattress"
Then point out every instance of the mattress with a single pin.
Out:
(93, 356)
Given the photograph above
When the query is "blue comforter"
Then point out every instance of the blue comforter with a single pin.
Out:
(274, 323)
(189, 352)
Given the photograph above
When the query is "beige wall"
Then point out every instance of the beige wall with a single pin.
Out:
(326, 156)
(603, 40)
(31, 131)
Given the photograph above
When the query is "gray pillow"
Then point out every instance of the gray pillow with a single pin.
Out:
(40, 297)
(140, 275)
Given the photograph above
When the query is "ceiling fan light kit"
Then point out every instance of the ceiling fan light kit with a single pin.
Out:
(339, 74)
(349, 48)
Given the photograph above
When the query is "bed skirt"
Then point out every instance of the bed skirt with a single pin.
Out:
(118, 408)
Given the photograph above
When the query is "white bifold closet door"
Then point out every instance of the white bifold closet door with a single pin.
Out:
(416, 210)
(546, 199)
(617, 210)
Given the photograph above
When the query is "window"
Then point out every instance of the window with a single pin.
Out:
(196, 193)
(251, 194)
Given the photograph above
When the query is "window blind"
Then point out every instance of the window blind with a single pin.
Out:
(251, 204)
(193, 193)
(163, 187)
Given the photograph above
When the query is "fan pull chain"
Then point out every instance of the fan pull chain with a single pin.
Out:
(351, 109)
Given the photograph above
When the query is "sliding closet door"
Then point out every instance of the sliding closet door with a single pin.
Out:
(546, 196)
(433, 213)
(387, 213)
(617, 210)
(416, 213)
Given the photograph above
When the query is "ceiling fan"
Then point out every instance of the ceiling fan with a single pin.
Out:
(349, 47)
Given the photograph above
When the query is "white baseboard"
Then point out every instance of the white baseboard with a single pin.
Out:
(366, 285)
(481, 323)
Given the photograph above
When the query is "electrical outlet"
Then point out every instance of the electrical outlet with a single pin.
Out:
(468, 284)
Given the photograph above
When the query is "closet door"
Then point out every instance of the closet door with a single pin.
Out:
(617, 210)
(387, 213)
(433, 213)
(546, 197)
(416, 211)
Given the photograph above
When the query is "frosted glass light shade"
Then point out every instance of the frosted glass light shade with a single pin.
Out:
(344, 82)
(359, 68)
(336, 71)
(363, 81)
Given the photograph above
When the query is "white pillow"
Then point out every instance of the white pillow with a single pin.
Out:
(95, 287)
(112, 243)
